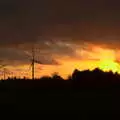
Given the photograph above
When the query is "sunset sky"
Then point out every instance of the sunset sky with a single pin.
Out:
(82, 34)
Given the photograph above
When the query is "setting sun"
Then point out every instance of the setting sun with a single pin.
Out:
(97, 57)
(107, 65)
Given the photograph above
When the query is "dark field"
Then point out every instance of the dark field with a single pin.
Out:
(41, 97)
(85, 92)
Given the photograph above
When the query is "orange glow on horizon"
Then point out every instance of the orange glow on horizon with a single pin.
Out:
(99, 57)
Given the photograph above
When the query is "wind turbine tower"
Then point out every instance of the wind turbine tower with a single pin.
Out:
(33, 63)
(4, 71)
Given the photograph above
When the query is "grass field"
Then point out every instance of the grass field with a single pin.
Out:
(53, 100)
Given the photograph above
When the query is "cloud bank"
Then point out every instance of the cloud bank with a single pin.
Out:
(58, 28)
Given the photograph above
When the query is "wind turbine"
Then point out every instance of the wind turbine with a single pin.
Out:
(33, 61)
(5, 71)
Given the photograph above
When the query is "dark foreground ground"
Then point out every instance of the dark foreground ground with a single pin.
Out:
(40, 97)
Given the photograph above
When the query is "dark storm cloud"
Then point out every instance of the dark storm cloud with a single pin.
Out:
(47, 51)
(11, 56)
(87, 20)
(94, 21)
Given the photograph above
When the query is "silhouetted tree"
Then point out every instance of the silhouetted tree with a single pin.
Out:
(56, 76)
(45, 78)
(69, 77)
(75, 74)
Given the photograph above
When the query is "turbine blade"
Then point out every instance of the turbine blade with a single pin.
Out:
(30, 66)
(38, 62)
(2, 66)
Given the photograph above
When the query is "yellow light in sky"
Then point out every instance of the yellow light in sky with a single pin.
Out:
(107, 65)
(107, 60)
(96, 58)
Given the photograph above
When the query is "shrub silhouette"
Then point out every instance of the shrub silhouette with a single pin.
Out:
(78, 78)
(56, 76)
